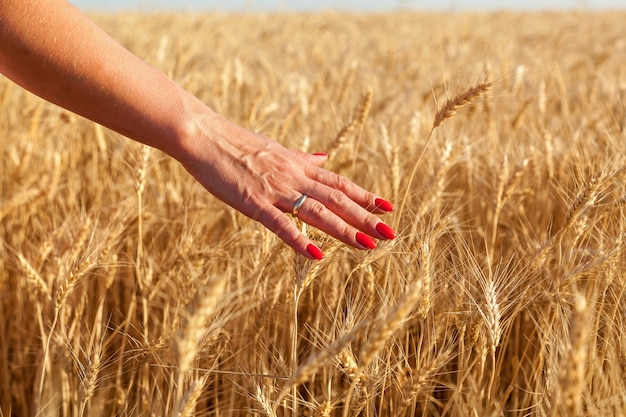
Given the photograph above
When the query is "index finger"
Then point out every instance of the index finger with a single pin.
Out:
(366, 199)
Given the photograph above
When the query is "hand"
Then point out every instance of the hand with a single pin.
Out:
(263, 180)
(87, 72)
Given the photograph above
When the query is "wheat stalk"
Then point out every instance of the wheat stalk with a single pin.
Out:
(348, 82)
(387, 325)
(421, 376)
(448, 110)
(317, 360)
(196, 327)
(572, 367)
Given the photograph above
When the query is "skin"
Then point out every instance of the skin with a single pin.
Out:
(53, 50)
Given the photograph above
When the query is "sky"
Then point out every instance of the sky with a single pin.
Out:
(352, 5)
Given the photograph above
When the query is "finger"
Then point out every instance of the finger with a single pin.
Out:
(318, 215)
(370, 201)
(280, 223)
(318, 158)
(343, 207)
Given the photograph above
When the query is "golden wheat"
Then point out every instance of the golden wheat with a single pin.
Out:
(452, 106)
(127, 290)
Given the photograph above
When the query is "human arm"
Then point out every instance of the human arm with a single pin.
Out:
(52, 49)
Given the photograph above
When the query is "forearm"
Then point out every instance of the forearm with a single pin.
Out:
(51, 49)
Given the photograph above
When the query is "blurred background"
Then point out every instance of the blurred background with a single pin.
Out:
(353, 5)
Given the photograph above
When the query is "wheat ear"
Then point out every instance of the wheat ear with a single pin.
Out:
(451, 106)
(187, 405)
(389, 323)
(448, 110)
(348, 82)
(426, 301)
(264, 402)
(33, 277)
(342, 135)
(324, 409)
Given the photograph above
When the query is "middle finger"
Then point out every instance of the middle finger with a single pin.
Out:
(318, 215)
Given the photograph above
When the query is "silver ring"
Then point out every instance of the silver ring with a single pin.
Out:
(298, 205)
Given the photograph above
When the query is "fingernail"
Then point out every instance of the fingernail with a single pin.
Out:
(385, 231)
(320, 154)
(365, 240)
(314, 251)
(383, 204)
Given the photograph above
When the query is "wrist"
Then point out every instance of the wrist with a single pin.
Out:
(188, 138)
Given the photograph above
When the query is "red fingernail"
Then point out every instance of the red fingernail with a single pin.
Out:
(385, 231)
(365, 240)
(383, 204)
(320, 154)
(314, 251)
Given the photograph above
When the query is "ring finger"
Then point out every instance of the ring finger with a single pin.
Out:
(318, 215)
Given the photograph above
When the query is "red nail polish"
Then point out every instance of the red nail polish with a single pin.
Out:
(365, 240)
(314, 251)
(383, 204)
(385, 231)
(320, 154)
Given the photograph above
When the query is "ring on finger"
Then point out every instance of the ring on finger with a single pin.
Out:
(298, 205)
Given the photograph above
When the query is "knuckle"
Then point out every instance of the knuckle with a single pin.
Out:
(252, 207)
(250, 196)
(317, 210)
(280, 225)
(342, 183)
(337, 197)
(346, 231)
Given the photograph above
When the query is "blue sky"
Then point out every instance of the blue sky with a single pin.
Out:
(355, 5)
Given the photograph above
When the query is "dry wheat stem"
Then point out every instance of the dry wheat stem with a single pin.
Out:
(387, 325)
(364, 111)
(570, 394)
(448, 110)
(317, 360)
(552, 228)
(196, 327)
(418, 381)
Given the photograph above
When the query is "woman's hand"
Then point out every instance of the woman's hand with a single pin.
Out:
(264, 180)
(52, 49)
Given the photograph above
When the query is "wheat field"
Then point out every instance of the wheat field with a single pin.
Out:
(128, 290)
